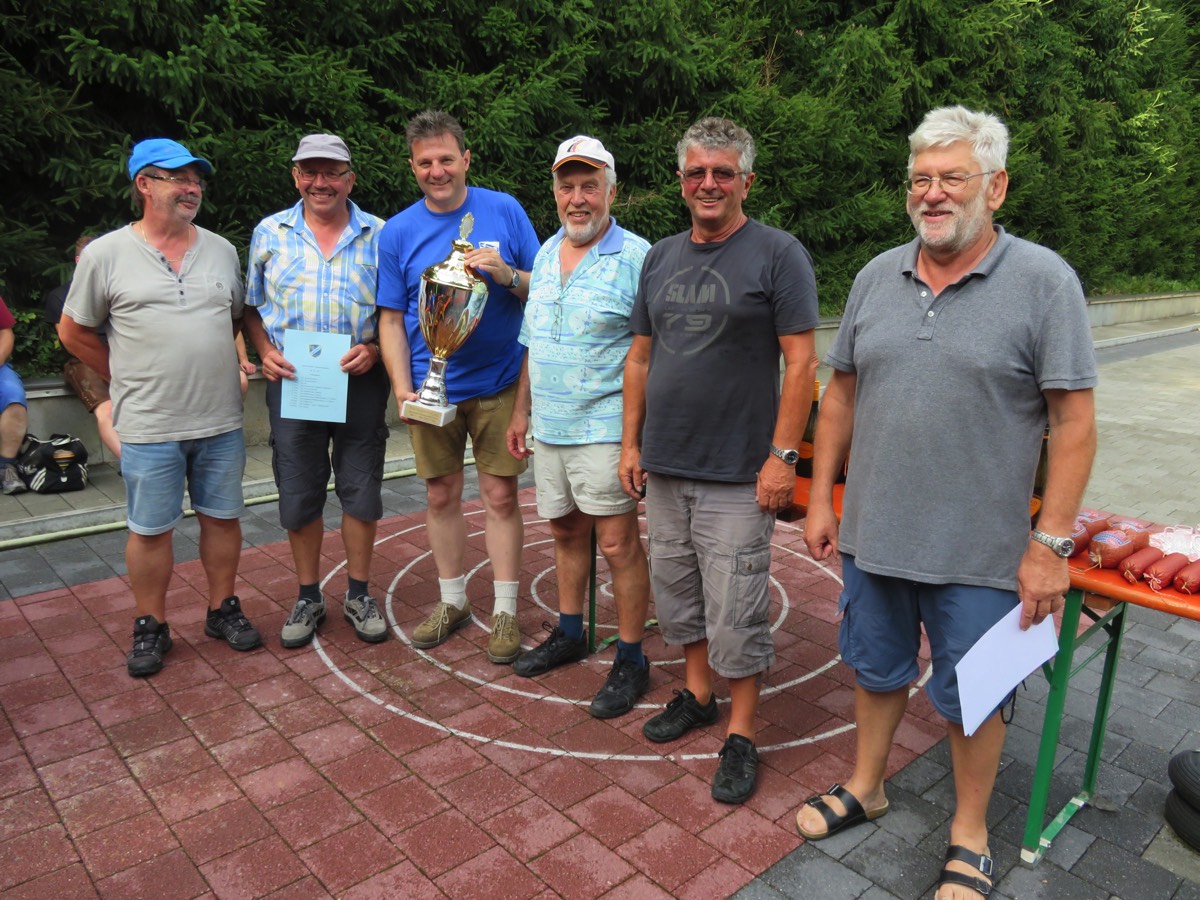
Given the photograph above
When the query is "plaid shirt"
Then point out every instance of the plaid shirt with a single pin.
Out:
(293, 285)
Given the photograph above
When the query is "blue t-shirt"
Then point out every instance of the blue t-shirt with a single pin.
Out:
(417, 238)
(578, 335)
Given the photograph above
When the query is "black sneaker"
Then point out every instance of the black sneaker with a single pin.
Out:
(229, 624)
(553, 651)
(737, 771)
(681, 715)
(151, 641)
(626, 682)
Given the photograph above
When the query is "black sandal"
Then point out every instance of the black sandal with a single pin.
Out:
(979, 860)
(854, 815)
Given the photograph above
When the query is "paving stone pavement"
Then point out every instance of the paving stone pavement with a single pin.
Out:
(355, 770)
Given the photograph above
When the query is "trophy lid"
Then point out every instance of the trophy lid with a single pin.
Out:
(453, 271)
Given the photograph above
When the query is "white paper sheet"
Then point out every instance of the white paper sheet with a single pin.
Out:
(318, 392)
(999, 661)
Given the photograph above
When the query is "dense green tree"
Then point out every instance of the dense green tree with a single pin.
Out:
(1099, 94)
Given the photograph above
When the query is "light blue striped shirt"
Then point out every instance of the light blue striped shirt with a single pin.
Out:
(578, 334)
(293, 285)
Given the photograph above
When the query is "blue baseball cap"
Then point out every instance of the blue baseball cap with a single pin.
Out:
(164, 153)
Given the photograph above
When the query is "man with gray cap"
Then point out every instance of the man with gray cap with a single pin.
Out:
(576, 329)
(169, 296)
(313, 268)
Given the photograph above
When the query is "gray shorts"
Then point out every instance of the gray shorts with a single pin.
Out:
(579, 476)
(710, 564)
(304, 453)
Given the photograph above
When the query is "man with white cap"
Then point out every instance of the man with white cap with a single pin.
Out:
(576, 329)
(312, 267)
(169, 296)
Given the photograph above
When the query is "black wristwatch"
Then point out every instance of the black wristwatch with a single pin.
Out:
(1063, 546)
(516, 282)
(791, 457)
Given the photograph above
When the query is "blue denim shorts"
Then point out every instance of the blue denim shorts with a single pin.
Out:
(12, 390)
(880, 634)
(155, 474)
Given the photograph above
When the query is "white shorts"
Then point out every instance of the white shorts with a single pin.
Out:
(579, 476)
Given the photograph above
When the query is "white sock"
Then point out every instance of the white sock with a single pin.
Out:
(454, 591)
(506, 597)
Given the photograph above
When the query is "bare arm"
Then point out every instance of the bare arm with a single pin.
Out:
(489, 260)
(831, 444)
(393, 344)
(8, 340)
(776, 479)
(518, 423)
(1042, 579)
(637, 365)
(84, 342)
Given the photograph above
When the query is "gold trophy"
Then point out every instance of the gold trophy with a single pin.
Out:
(452, 301)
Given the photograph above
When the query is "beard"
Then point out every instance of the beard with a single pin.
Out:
(585, 233)
(964, 227)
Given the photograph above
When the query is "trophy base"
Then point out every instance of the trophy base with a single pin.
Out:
(415, 411)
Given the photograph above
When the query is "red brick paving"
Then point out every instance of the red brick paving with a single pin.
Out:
(265, 773)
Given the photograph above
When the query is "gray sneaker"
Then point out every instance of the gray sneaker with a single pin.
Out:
(11, 482)
(302, 624)
(442, 622)
(363, 613)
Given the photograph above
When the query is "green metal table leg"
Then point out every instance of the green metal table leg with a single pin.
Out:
(1059, 671)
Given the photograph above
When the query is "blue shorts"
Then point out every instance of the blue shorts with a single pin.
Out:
(12, 390)
(301, 459)
(881, 630)
(155, 475)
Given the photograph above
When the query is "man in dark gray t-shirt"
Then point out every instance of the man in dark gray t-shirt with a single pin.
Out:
(706, 417)
(954, 353)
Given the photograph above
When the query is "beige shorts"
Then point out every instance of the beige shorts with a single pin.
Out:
(439, 450)
(580, 476)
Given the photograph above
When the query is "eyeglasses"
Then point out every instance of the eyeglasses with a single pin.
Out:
(695, 177)
(329, 176)
(951, 184)
(178, 179)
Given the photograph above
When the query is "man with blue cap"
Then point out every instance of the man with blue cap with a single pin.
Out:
(169, 296)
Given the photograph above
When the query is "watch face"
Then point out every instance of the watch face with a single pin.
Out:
(791, 457)
(1066, 547)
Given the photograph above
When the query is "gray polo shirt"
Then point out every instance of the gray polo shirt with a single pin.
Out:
(170, 335)
(949, 410)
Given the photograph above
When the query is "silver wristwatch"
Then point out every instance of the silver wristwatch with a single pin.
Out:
(1063, 546)
(791, 457)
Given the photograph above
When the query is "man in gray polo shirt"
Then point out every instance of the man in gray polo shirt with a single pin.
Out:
(169, 295)
(954, 353)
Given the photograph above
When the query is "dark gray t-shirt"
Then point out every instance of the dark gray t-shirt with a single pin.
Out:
(949, 410)
(714, 313)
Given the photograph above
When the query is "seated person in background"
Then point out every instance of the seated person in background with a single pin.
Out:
(80, 377)
(245, 367)
(13, 418)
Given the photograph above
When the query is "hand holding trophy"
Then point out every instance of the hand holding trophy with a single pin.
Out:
(451, 304)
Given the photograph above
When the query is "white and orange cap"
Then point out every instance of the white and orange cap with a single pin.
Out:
(584, 149)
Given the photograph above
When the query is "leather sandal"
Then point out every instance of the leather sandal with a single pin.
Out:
(980, 861)
(854, 815)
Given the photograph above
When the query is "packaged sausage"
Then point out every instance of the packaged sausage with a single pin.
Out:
(1133, 567)
(1137, 529)
(1160, 574)
(1188, 579)
(1108, 548)
(1092, 521)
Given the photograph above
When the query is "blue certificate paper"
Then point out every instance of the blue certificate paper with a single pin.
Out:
(318, 392)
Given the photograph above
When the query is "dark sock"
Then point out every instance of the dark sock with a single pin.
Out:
(310, 592)
(571, 625)
(6, 461)
(357, 588)
(631, 652)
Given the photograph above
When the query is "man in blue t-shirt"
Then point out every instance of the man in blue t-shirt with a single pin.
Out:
(481, 378)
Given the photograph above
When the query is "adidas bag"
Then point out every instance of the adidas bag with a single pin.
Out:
(53, 466)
